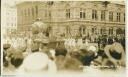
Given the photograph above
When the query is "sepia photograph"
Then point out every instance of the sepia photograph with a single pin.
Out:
(78, 38)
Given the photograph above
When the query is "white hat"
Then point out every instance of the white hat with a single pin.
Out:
(37, 61)
(92, 48)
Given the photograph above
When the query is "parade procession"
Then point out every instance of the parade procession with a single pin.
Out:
(42, 50)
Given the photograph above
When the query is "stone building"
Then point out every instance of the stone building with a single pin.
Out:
(73, 18)
(9, 19)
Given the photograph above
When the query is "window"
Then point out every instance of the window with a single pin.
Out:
(124, 17)
(32, 12)
(68, 30)
(49, 14)
(94, 30)
(110, 31)
(36, 11)
(22, 17)
(28, 13)
(110, 16)
(25, 14)
(67, 13)
(82, 13)
(82, 30)
(45, 13)
(102, 15)
(103, 30)
(118, 17)
(50, 2)
(94, 14)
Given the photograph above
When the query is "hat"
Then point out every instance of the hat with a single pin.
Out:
(35, 29)
(18, 54)
(38, 19)
(117, 47)
(92, 48)
(35, 62)
(6, 46)
(45, 40)
(34, 47)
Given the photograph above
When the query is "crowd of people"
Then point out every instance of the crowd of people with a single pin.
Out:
(70, 55)
(39, 54)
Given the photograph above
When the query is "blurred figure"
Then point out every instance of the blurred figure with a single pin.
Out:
(89, 55)
(60, 59)
(37, 63)
(115, 54)
(5, 54)
(60, 51)
(17, 58)
(79, 43)
(71, 62)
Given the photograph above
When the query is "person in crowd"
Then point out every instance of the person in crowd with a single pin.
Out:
(89, 55)
(37, 63)
(73, 43)
(60, 51)
(5, 49)
(71, 63)
(44, 46)
(17, 58)
(34, 47)
(110, 40)
(99, 42)
(123, 42)
(60, 59)
(79, 43)
(13, 57)
(115, 55)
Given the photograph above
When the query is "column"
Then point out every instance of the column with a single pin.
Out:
(107, 15)
(114, 16)
(99, 15)
(89, 14)
(122, 17)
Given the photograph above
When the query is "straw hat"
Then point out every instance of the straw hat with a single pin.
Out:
(37, 61)
(117, 47)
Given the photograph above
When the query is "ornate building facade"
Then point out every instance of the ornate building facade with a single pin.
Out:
(73, 18)
(10, 19)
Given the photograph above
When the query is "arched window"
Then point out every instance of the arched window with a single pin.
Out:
(67, 13)
(82, 13)
(94, 14)
(103, 31)
(118, 16)
(110, 31)
(102, 15)
(82, 30)
(68, 30)
(110, 16)
(94, 30)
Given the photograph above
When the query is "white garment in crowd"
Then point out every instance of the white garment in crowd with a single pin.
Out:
(37, 63)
